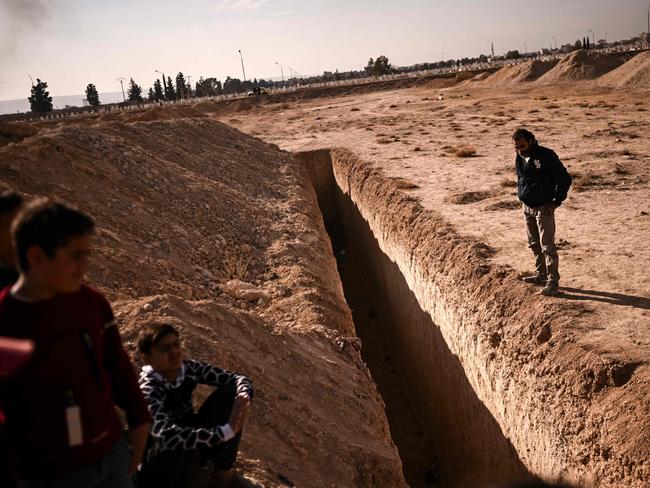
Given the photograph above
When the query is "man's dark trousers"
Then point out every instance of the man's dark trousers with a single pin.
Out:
(540, 225)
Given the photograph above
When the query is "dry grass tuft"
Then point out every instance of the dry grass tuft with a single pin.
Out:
(465, 152)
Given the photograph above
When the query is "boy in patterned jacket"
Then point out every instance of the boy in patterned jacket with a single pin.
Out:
(180, 438)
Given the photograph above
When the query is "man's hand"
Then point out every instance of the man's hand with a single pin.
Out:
(138, 440)
(239, 411)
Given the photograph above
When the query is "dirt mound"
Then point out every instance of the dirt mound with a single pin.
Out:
(206, 107)
(15, 132)
(218, 233)
(635, 73)
(477, 78)
(517, 73)
(156, 113)
(441, 83)
(581, 65)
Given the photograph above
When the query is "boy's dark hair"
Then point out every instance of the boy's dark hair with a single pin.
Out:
(10, 201)
(523, 134)
(48, 225)
(151, 335)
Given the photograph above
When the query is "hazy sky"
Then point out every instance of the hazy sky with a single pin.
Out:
(70, 43)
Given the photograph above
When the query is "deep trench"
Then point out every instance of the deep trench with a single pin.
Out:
(445, 435)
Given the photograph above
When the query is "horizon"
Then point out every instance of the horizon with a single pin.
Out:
(45, 39)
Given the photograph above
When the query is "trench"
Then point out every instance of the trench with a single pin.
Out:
(445, 435)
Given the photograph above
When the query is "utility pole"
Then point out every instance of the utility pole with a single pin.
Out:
(555, 41)
(593, 36)
(242, 64)
(525, 48)
(164, 87)
(281, 71)
(492, 48)
(121, 79)
(189, 82)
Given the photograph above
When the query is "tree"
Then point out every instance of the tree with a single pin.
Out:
(209, 87)
(151, 96)
(92, 97)
(370, 67)
(134, 92)
(181, 88)
(158, 93)
(170, 93)
(513, 54)
(577, 45)
(232, 85)
(379, 66)
(40, 101)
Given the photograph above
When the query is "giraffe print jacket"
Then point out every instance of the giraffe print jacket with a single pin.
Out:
(170, 403)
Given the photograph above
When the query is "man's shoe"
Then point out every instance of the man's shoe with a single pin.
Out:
(537, 279)
(550, 290)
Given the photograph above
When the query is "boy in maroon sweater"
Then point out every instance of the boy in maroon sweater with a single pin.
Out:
(62, 426)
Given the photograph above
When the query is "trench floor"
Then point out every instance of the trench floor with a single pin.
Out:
(416, 450)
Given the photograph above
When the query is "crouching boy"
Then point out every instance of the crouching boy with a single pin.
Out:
(180, 439)
(62, 427)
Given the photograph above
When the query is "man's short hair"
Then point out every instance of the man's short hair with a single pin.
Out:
(10, 201)
(152, 334)
(49, 225)
(523, 134)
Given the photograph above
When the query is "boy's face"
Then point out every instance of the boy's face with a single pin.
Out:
(166, 356)
(64, 272)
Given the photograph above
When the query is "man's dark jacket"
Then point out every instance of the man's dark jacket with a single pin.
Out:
(543, 179)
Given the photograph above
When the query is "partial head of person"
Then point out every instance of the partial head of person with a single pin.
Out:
(160, 346)
(10, 203)
(524, 141)
(53, 243)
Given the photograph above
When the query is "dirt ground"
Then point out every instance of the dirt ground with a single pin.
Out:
(600, 135)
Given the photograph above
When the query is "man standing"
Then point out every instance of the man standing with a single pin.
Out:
(542, 186)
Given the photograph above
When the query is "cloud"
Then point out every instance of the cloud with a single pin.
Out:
(20, 18)
(238, 5)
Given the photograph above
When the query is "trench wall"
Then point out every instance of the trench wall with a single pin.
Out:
(502, 391)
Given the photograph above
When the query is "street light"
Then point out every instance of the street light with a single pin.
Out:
(121, 80)
(242, 64)
(164, 82)
(281, 71)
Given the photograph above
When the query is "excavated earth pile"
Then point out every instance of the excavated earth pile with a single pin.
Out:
(581, 65)
(635, 73)
(518, 73)
(220, 234)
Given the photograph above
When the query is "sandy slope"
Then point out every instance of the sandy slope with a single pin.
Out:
(635, 73)
(184, 207)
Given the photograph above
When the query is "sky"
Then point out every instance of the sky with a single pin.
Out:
(70, 43)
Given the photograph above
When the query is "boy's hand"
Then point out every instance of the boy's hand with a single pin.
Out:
(138, 439)
(238, 414)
